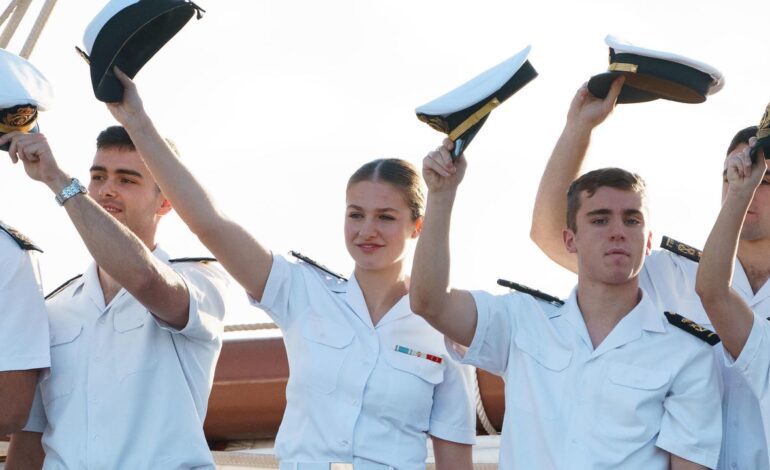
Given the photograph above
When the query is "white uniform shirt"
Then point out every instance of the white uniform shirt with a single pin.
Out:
(649, 387)
(670, 279)
(351, 397)
(23, 319)
(125, 390)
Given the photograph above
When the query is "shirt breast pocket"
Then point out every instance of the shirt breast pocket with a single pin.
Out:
(411, 387)
(134, 343)
(325, 345)
(65, 345)
(538, 376)
(632, 401)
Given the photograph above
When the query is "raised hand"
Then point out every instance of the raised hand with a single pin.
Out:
(441, 174)
(741, 175)
(590, 111)
(131, 106)
(33, 151)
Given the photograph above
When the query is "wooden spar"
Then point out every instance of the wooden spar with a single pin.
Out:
(19, 9)
(37, 28)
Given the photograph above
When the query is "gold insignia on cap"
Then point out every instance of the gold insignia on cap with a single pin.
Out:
(21, 118)
(621, 67)
(434, 122)
(764, 125)
(474, 118)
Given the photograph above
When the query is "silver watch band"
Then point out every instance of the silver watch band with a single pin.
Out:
(70, 191)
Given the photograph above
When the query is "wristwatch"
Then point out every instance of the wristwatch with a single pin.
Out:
(69, 191)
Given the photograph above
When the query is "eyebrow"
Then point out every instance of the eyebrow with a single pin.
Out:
(607, 212)
(120, 171)
(384, 209)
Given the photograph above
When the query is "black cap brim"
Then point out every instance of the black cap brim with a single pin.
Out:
(130, 39)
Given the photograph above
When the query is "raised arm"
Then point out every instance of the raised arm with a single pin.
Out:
(240, 254)
(731, 316)
(548, 216)
(450, 311)
(117, 250)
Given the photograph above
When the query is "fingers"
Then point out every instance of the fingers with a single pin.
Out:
(615, 89)
(436, 162)
(123, 78)
(26, 147)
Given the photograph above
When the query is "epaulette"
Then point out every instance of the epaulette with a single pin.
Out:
(681, 249)
(202, 259)
(533, 292)
(20, 239)
(693, 328)
(311, 262)
(62, 287)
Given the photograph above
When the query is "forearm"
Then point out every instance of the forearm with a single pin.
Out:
(548, 216)
(729, 314)
(17, 389)
(25, 452)
(452, 455)
(429, 287)
(678, 463)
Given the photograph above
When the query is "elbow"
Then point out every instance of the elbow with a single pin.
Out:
(423, 305)
(709, 294)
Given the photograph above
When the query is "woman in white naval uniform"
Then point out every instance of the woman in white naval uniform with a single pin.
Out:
(369, 380)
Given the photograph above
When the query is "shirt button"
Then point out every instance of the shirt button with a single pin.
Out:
(95, 437)
(355, 402)
(102, 320)
(344, 443)
(94, 401)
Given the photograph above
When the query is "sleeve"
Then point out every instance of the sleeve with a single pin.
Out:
(754, 362)
(23, 318)
(691, 427)
(207, 286)
(670, 280)
(37, 420)
(453, 416)
(285, 279)
(491, 344)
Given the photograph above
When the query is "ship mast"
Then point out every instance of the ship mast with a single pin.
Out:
(11, 18)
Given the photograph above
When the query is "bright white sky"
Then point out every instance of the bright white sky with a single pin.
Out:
(274, 104)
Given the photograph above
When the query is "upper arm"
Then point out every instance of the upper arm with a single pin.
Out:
(17, 389)
(452, 455)
(455, 316)
(732, 319)
(247, 261)
(25, 452)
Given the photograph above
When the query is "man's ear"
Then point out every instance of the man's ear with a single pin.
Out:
(569, 240)
(165, 207)
(648, 249)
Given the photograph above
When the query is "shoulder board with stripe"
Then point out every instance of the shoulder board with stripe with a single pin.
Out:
(58, 290)
(681, 249)
(20, 239)
(533, 292)
(693, 328)
(314, 263)
(193, 260)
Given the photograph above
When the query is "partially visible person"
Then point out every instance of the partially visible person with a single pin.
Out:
(369, 380)
(668, 275)
(23, 321)
(602, 382)
(134, 340)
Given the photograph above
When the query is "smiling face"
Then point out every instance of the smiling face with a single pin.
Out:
(756, 226)
(122, 185)
(611, 237)
(378, 225)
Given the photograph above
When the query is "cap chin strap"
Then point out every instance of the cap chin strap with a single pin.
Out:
(474, 118)
(621, 67)
(5, 129)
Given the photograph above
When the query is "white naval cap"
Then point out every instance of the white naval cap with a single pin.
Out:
(23, 92)
(651, 74)
(461, 112)
(126, 34)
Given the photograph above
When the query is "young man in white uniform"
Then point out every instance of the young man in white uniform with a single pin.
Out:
(668, 277)
(602, 382)
(135, 340)
(23, 329)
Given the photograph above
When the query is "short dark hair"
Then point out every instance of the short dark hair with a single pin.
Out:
(742, 137)
(400, 174)
(115, 137)
(590, 182)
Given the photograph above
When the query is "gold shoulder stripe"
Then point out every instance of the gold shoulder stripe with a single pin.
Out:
(202, 259)
(693, 328)
(533, 292)
(20, 239)
(681, 249)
